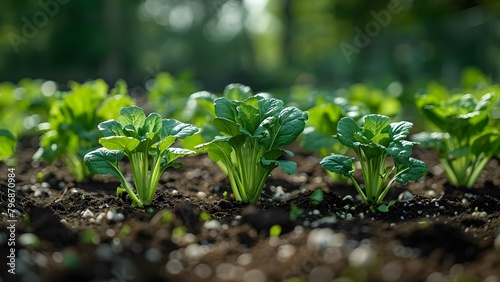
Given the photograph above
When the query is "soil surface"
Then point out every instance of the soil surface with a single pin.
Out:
(194, 231)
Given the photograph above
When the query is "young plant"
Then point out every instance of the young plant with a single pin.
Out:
(7, 144)
(253, 132)
(322, 124)
(373, 143)
(467, 139)
(140, 138)
(72, 123)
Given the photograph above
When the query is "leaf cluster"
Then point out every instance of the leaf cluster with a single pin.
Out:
(468, 136)
(253, 131)
(141, 139)
(373, 143)
(72, 123)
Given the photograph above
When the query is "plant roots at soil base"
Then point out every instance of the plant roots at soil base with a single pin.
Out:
(69, 231)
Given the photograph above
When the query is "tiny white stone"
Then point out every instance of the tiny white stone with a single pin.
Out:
(87, 214)
(201, 195)
(115, 216)
(212, 225)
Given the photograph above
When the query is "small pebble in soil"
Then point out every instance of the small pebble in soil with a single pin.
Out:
(100, 217)
(195, 252)
(212, 225)
(29, 239)
(362, 256)
(114, 216)
(57, 257)
(324, 238)
(203, 270)
(201, 195)
(285, 252)
(406, 196)
(174, 266)
(174, 192)
(244, 259)
(279, 194)
(254, 275)
(63, 221)
(348, 198)
(87, 214)
(430, 193)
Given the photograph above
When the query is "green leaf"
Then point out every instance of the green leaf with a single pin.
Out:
(103, 161)
(110, 107)
(376, 128)
(347, 129)
(226, 126)
(218, 149)
(434, 140)
(290, 124)
(338, 164)
(289, 167)
(175, 153)
(152, 124)
(416, 170)
(110, 128)
(237, 92)
(132, 115)
(121, 143)
(225, 108)
(295, 212)
(317, 195)
(7, 143)
(166, 142)
(313, 140)
(400, 130)
(488, 144)
(172, 127)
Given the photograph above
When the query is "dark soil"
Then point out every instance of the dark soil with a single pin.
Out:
(191, 233)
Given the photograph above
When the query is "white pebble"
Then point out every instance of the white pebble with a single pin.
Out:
(87, 214)
(201, 195)
(114, 216)
(244, 259)
(285, 252)
(362, 256)
(174, 266)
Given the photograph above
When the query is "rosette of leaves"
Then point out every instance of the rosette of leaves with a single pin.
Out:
(253, 131)
(73, 123)
(142, 139)
(467, 138)
(373, 143)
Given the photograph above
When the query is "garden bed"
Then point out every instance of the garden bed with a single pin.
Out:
(435, 232)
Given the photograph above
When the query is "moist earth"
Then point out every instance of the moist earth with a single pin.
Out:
(196, 231)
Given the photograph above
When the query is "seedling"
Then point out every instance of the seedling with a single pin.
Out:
(295, 212)
(73, 120)
(254, 130)
(139, 138)
(7, 144)
(317, 196)
(467, 140)
(373, 143)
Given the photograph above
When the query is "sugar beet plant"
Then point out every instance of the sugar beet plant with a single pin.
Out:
(253, 132)
(141, 139)
(467, 139)
(373, 143)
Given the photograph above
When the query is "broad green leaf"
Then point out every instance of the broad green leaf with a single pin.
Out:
(121, 143)
(266, 124)
(225, 108)
(324, 118)
(110, 128)
(218, 149)
(269, 108)
(400, 151)
(338, 164)
(290, 124)
(172, 127)
(166, 142)
(226, 127)
(237, 92)
(103, 161)
(132, 115)
(175, 153)
(152, 124)
(347, 129)
(7, 144)
(416, 169)
(289, 167)
(400, 130)
(248, 118)
(376, 128)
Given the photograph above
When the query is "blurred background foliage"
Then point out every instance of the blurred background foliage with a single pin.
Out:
(269, 45)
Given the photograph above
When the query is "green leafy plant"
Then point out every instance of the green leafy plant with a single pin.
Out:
(140, 138)
(253, 132)
(466, 139)
(72, 123)
(373, 143)
(7, 144)
(322, 124)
